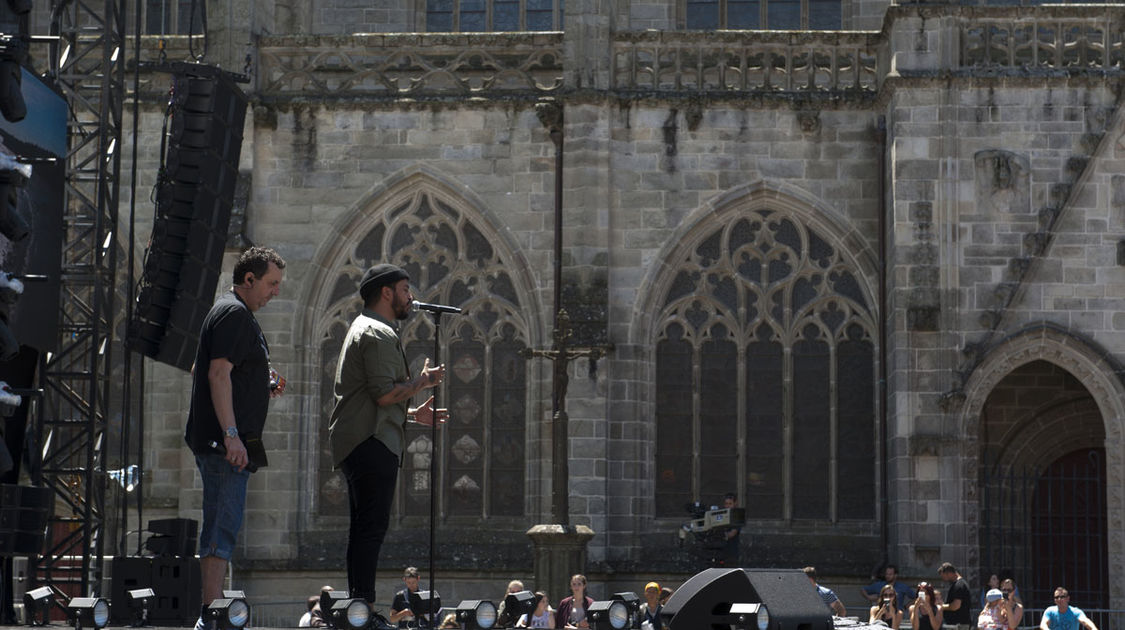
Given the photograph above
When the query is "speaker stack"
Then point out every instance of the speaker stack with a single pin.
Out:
(173, 574)
(24, 511)
(193, 207)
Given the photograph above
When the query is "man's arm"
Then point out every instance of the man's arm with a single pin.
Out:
(1043, 622)
(222, 397)
(1087, 623)
(838, 608)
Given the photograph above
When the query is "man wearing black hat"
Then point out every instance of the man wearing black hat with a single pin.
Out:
(367, 430)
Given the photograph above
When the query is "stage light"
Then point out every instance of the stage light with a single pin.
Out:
(37, 603)
(748, 617)
(139, 599)
(423, 603)
(88, 611)
(632, 604)
(608, 615)
(514, 606)
(234, 594)
(229, 613)
(349, 613)
(328, 601)
(476, 614)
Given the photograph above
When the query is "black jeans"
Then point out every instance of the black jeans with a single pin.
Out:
(371, 470)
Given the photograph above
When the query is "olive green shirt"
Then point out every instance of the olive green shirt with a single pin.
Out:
(371, 362)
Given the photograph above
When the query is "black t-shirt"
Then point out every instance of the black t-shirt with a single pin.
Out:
(229, 332)
(959, 590)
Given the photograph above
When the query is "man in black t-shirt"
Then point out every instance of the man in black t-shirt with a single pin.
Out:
(231, 385)
(956, 605)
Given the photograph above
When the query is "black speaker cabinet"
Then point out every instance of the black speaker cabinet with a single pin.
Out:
(706, 601)
(193, 207)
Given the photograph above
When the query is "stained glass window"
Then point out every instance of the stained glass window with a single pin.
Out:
(765, 379)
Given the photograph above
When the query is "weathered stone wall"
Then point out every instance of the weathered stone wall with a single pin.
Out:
(1003, 193)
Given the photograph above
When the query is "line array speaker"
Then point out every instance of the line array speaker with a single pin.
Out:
(193, 208)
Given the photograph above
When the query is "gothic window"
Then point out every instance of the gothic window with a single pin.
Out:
(471, 16)
(817, 15)
(171, 17)
(450, 261)
(765, 376)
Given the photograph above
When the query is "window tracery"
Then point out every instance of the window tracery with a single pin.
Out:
(450, 261)
(765, 360)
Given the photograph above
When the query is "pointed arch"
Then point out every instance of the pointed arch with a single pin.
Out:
(453, 250)
(1097, 371)
(762, 323)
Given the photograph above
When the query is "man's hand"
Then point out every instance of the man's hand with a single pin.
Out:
(425, 413)
(432, 376)
(236, 452)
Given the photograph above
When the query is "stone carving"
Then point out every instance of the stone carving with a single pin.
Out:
(411, 64)
(746, 61)
(1043, 38)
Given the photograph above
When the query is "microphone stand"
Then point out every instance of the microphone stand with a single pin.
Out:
(433, 469)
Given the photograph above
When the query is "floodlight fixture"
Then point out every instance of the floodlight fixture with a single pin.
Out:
(328, 600)
(425, 603)
(476, 614)
(632, 604)
(139, 600)
(37, 603)
(349, 613)
(612, 614)
(88, 611)
(516, 605)
(229, 613)
(748, 616)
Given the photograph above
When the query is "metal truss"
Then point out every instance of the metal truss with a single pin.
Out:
(87, 63)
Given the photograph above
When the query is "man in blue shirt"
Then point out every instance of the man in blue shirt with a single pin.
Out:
(904, 595)
(1063, 616)
(826, 595)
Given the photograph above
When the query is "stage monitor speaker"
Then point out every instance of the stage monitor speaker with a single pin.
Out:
(193, 209)
(129, 573)
(706, 599)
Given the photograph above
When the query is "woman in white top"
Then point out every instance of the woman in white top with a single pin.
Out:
(541, 617)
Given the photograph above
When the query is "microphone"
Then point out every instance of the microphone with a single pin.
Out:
(435, 308)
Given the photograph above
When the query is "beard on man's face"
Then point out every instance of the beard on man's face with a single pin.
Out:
(401, 308)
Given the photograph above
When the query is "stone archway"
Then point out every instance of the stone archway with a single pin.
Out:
(1088, 369)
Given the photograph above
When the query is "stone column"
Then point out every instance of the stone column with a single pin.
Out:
(560, 552)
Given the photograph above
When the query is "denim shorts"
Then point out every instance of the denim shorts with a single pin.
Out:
(224, 500)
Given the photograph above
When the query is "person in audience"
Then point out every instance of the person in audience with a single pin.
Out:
(541, 617)
(886, 608)
(1063, 616)
(826, 595)
(903, 594)
(306, 619)
(572, 610)
(650, 610)
(1012, 602)
(925, 613)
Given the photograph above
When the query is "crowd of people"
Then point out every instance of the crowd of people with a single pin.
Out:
(928, 609)
(569, 614)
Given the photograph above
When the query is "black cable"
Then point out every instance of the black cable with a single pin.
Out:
(191, 30)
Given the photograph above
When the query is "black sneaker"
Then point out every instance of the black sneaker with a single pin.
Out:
(379, 622)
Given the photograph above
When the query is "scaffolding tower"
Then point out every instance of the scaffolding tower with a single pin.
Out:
(87, 62)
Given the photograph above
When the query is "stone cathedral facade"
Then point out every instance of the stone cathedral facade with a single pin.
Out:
(860, 263)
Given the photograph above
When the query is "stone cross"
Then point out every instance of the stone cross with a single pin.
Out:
(561, 354)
